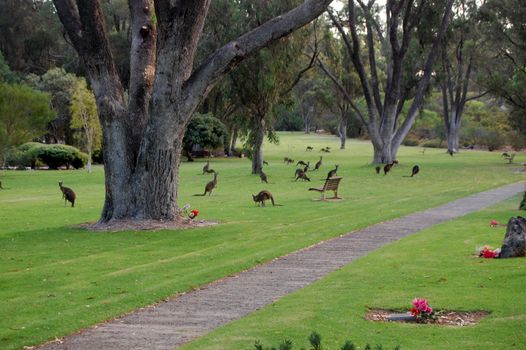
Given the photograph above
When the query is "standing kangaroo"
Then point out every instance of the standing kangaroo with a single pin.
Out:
(261, 197)
(67, 194)
(388, 167)
(318, 164)
(210, 186)
(206, 167)
(263, 177)
(333, 172)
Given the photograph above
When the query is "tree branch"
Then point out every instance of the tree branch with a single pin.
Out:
(225, 58)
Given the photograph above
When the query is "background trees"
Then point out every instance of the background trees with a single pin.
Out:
(24, 114)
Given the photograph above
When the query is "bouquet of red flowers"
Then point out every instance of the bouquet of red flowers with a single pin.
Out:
(421, 311)
(487, 253)
(193, 214)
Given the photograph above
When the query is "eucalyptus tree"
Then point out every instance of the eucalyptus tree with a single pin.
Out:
(461, 51)
(142, 134)
(504, 70)
(404, 46)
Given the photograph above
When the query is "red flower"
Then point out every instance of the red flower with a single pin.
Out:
(193, 213)
(493, 223)
(488, 254)
(414, 311)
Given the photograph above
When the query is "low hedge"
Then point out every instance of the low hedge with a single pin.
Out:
(54, 156)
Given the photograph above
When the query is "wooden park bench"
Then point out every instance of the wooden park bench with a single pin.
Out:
(331, 184)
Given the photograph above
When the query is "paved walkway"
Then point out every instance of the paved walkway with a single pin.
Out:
(185, 317)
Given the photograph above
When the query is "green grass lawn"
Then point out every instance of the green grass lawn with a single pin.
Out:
(437, 263)
(56, 279)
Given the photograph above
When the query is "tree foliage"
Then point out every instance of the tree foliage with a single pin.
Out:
(24, 114)
(84, 118)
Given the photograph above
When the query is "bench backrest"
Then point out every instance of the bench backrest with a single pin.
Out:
(332, 183)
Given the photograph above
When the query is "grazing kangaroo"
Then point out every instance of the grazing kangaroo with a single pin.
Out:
(451, 152)
(415, 170)
(265, 162)
(261, 197)
(210, 171)
(206, 167)
(333, 172)
(301, 163)
(318, 164)
(301, 175)
(309, 148)
(378, 169)
(286, 160)
(210, 186)
(290, 161)
(387, 167)
(505, 155)
(67, 194)
(263, 177)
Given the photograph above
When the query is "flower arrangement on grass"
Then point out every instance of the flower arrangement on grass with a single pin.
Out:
(487, 252)
(422, 312)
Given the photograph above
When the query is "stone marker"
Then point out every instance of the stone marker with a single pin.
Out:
(514, 244)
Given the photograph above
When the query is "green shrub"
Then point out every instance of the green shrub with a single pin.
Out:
(54, 156)
(97, 156)
(315, 342)
(410, 141)
(435, 143)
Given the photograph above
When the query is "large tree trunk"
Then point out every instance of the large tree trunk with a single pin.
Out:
(342, 131)
(142, 139)
(453, 132)
(308, 112)
(232, 143)
(257, 149)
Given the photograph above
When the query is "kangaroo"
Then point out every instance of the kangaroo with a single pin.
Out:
(318, 164)
(415, 170)
(309, 148)
(306, 167)
(333, 172)
(265, 162)
(210, 186)
(286, 160)
(451, 152)
(67, 194)
(263, 177)
(206, 167)
(261, 197)
(505, 155)
(210, 171)
(387, 168)
(301, 175)
(290, 161)
(378, 169)
(301, 163)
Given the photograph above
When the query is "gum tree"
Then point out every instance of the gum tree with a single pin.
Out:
(142, 135)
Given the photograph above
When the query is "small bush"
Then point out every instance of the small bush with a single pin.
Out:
(315, 342)
(435, 143)
(97, 156)
(410, 141)
(54, 156)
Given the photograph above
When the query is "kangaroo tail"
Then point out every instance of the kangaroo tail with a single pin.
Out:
(272, 200)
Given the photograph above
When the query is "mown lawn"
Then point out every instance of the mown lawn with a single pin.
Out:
(56, 278)
(437, 263)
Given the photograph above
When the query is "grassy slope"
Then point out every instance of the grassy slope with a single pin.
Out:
(437, 263)
(55, 279)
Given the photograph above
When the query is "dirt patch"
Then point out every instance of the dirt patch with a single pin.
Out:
(443, 317)
(142, 225)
